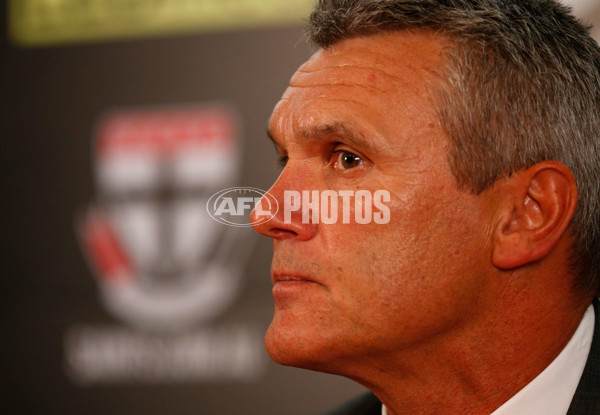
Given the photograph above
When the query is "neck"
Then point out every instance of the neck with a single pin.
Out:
(479, 366)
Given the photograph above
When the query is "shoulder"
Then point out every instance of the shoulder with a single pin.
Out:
(366, 404)
(587, 396)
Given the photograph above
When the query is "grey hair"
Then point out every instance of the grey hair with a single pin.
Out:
(521, 84)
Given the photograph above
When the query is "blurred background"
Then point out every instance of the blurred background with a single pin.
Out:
(119, 293)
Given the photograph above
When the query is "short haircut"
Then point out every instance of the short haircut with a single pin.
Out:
(520, 85)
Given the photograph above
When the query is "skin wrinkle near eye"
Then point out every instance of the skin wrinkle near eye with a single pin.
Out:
(336, 130)
(377, 155)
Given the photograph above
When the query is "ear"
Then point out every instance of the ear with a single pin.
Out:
(540, 202)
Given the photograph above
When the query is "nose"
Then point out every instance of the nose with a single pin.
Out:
(283, 225)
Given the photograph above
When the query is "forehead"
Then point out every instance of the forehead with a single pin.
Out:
(378, 78)
(391, 52)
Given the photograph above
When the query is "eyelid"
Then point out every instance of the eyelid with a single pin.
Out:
(338, 147)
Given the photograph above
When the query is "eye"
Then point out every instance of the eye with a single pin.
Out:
(346, 160)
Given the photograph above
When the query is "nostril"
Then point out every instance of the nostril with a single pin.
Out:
(282, 233)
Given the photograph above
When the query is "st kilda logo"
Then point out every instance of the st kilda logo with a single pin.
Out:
(161, 262)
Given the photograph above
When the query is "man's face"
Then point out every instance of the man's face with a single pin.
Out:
(360, 116)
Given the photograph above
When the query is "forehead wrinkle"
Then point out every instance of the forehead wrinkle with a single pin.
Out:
(347, 66)
(308, 94)
(371, 88)
(343, 76)
(400, 54)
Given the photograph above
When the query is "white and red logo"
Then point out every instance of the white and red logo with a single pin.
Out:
(161, 262)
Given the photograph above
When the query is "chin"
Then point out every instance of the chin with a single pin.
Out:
(295, 347)
(289, 347)
(283, 348)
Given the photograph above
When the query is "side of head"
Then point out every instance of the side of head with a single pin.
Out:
(520, 86)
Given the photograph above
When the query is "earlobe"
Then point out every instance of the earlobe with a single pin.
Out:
(540, 202)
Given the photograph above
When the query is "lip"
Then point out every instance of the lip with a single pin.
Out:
(287, 277)
(290, 287)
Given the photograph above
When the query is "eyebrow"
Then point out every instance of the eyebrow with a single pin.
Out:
(333, 129)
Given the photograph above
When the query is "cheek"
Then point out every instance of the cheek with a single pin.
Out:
(418, 273)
